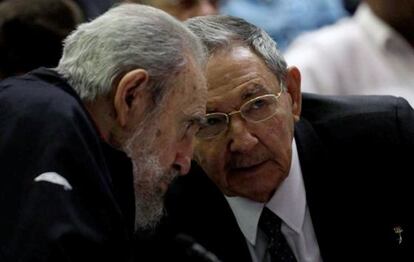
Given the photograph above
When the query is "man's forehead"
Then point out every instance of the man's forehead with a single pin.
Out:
(225, 61)
(236, 95)
(195, 95)
(227, 69)
(236, 74)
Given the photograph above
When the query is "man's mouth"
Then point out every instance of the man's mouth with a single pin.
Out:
(247, 167)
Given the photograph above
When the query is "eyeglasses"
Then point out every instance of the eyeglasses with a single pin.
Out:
(256, 110)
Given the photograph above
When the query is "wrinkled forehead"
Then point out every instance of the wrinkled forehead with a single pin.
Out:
(193, 87)
(237, 74)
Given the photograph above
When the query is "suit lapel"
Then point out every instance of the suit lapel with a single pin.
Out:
(198, 208)
(313, 161)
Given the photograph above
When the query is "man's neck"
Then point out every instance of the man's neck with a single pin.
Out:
(101, 115)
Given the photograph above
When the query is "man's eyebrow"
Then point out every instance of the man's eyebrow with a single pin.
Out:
(211, 109)
(252, 90)
(247, 93)
(197, 119)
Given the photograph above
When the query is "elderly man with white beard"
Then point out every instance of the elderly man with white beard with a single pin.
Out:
(89, 148)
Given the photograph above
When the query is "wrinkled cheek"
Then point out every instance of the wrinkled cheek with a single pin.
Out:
(280, 132)
(279, 143)
(203, 154)
(208, 163)
(211, 157)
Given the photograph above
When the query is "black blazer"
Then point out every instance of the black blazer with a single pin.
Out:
(356, 156)
(44, 127)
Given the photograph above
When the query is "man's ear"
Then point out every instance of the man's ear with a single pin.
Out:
(293, 88)
(129, 94)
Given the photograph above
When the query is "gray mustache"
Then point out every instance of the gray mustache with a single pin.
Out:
(244, 161)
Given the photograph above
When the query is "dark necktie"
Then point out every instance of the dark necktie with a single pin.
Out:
(277, 246)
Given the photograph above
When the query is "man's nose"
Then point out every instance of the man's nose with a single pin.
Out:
(183, 157)
(241, 139)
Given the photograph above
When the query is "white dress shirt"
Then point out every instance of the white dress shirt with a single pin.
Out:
(359, 55)
(289, 203)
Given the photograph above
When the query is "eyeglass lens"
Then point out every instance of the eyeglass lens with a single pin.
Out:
(255, 110)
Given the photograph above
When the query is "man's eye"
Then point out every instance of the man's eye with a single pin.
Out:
(213, 121)
(256, 106)
(191, 128)
(188, 126)
(259, 103)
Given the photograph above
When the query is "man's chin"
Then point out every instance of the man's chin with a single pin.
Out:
(148, 212)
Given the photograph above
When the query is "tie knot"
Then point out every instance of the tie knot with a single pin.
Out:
(270, 223)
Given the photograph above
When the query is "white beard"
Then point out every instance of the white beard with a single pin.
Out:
(148, 197)
(149, 177)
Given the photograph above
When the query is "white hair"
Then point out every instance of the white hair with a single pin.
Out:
(218, 32)
(130, 36)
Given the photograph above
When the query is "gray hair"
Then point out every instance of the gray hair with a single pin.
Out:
(220, 32)
(127, 37)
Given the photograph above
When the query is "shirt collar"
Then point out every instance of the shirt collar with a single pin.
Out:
(288, 202)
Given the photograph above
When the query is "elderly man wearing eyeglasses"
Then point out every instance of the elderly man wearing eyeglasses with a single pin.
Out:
(285, 176)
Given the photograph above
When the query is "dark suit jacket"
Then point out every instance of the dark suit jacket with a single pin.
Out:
(44, 127)
(356, 155)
